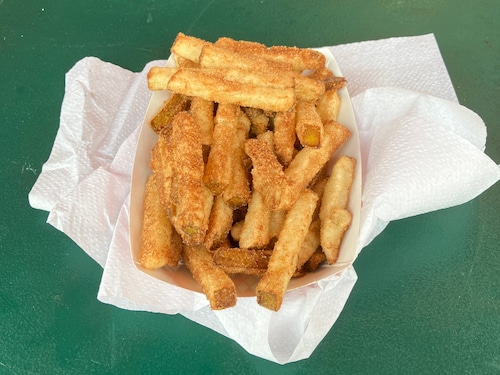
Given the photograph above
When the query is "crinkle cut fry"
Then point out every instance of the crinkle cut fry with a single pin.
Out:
(215, 283)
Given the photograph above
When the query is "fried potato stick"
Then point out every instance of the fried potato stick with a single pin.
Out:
(220, 164)
(242, 261)
(284, 135)
(203, 113)
(158, 77)
(328, 106)
(267, 172)
(255, 232)
(237, 193)
(188, 47)
(334, 216)
(308, 124)
(271, 288)
(174, 105)
(198, 82)
(213, 56)
(309, 161)
(215, 283)
(190, 197)
(161, 245)
(299, 58)
(311, 243)
(220, 223)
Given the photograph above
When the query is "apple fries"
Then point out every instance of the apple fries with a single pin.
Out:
(239, 183)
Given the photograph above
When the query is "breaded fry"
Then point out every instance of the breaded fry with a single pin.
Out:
(255, 232)
(213, 87)
(220, 164)
(299, 58)
(311, 243)
(188, 47)
(334, 216)
(203, 113)
(284, 135)
(309, 161)
(308, 124)
(308, 89)
(161, 245)
(220, 222)
(242, 261)
(215, 283)
(328, 106)
(237, 194)
(213, 56)
(158, 77)
(189, 195)
(174, 105)
(267, 172)
(161, 164)
(314, 262)
(283, 263)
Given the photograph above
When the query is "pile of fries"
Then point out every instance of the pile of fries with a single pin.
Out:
(242, 181)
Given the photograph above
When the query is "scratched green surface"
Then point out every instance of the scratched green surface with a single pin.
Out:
(428, 296)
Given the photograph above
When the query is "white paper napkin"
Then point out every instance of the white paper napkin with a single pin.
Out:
(421, 152)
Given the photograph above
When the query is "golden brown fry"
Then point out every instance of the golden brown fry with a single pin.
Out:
(328, 106)
(161, 245)
(212, 56)
(215, 283)
(299, 58)
(174, 105)
(220, 222)
(189, 195)
(338, 186)
(308, 125)
(309, 161)
(308, 89)
(255, 232)
(334, 216)
(203, 113)
(237, 194)
(314, 262)
(283, 263)
(333, 228)
(267, 172)
(188, 47)
(311, 243)
(284, 135)
(158, 77)
(161, 164)
(220, 164)
(213, 87)
(242, 261)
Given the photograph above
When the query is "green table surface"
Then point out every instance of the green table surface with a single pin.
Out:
(428, 296)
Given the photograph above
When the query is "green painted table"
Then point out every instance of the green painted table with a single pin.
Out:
(428, 295)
